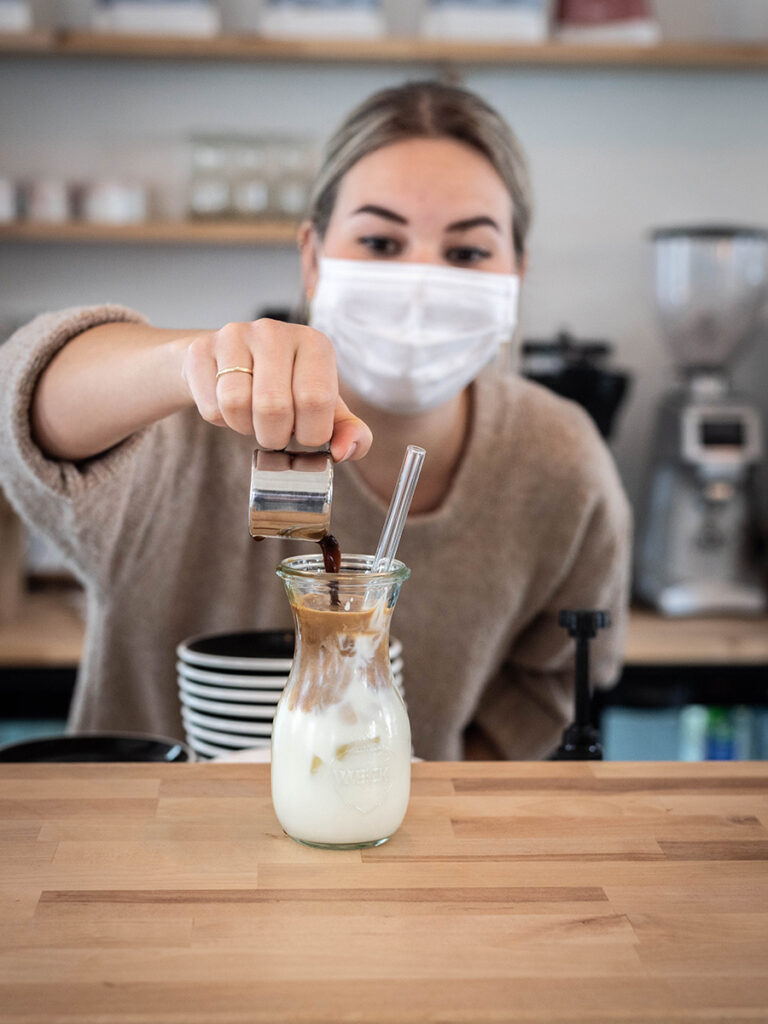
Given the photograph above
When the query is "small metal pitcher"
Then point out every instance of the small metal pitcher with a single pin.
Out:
(291, 494)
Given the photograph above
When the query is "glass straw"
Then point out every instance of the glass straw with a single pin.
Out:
(402, 497)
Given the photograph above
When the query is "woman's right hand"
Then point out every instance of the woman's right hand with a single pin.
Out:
(116, 378)
(292, 390)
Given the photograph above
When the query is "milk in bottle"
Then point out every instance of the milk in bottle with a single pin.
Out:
(341, 740)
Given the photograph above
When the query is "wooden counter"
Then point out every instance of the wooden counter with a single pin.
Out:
(513, 892)
(653, 639)
(49, 631)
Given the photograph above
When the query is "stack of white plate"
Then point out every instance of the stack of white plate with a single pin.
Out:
(230, 683)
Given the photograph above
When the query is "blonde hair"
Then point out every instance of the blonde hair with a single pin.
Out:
(426, 109)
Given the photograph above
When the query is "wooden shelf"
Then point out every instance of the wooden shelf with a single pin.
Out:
(220, 232)
(48, 630)
(39, 41)
(389, 50)
(655, 640)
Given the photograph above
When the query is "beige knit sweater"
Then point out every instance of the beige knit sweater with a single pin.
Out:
(157, 531)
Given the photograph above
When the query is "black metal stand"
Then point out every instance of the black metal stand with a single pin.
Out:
(581, 740)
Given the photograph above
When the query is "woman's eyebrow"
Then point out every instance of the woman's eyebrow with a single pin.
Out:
(473, 222)
(381, 211)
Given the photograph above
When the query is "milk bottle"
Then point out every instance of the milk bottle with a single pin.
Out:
(341, 740)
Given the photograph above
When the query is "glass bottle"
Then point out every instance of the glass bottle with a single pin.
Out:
(250, 178)
(341, 739)
(209, 191)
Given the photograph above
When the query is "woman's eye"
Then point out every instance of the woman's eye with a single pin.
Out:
(467, 254)
(379, 245)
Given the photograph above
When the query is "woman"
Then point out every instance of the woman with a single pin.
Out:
(411, 259)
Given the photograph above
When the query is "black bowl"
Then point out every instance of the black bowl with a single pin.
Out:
(117, 747)
(237, 650)
(254, 644)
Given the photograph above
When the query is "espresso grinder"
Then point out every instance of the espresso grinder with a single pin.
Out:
(699, 549)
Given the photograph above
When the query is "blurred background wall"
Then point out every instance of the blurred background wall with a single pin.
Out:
(614, 153)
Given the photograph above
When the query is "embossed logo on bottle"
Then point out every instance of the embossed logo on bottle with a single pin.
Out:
(361, 773)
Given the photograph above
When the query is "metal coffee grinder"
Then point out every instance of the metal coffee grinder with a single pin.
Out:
(698, 546)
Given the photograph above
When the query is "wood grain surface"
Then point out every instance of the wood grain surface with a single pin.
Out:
(145, 894)
(389, 49)
(154, 232)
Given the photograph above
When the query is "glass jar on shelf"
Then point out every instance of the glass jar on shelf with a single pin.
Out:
(291, 171)
(9, 200)
(209, 194)
(47, 200)
(250, 177)
(323, 19)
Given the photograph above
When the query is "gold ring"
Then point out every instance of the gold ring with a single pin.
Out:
(233, 369)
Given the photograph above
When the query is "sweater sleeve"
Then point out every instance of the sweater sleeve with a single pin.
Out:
(530, 700)
(62, 500)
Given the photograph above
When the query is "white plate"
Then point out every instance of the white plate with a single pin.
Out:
(217, 708)
(200, 675)
(269, 685)
(197, 737)
(256, 665)
(231, 689)
(203, 752)
(242, 728)
(209, 749)
(237, 740)
(265, 698)
(262, 755)
(241, 705)
(222, 661)
(223, 738)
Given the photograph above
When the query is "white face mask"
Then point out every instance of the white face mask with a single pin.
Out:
(409, 336)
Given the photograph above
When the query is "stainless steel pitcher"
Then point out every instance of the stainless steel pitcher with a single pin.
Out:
(291, 493)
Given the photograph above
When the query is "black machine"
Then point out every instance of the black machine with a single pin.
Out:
(579, 370)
